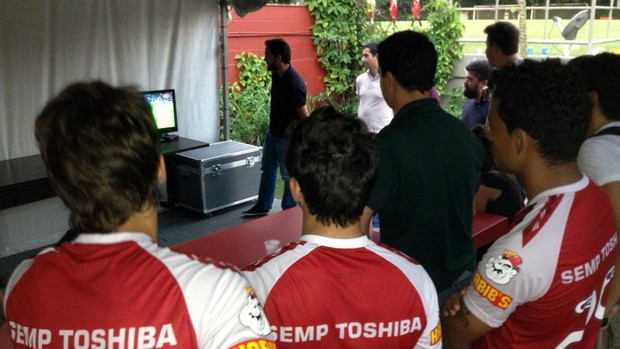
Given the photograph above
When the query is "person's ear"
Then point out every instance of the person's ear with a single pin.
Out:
(161, 171)
(521, 139)
(296, 193)
(594, 98)
(389, 81)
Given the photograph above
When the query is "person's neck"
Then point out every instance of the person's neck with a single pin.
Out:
(144, 221)
(282, 68)
(479, 99)
(537, 180)
(373, 72)
(311, 226)
(404, 97)
(508, 60)
(598, 120)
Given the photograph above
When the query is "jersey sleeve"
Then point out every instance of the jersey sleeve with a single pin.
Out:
(431, 337)
(238, 319)
(223, 306)
(599, 159)
(509, 275)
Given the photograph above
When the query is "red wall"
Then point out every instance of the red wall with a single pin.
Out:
(291, 23)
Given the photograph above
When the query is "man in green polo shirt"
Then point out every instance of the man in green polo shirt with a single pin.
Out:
(429, 168)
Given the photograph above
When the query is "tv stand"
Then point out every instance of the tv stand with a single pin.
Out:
(24, 180)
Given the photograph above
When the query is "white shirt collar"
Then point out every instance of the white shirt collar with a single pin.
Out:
(111, 238)
(358, 242)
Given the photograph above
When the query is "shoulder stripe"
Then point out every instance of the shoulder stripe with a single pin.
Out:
(539, 221)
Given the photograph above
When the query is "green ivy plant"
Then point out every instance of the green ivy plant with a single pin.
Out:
(249, 100)
(445, 30)
(338, 33)
(457, 102)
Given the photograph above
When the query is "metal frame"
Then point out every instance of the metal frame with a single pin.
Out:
(592, 8)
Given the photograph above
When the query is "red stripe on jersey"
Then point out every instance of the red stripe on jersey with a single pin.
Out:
(539, 221)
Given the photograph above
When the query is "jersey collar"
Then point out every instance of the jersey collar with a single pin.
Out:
(358, 242)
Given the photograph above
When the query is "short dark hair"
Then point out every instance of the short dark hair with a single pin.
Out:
(281, 48)
(603, 77)
(481, 69)
(372, 46)
(101, 148)
(334, 159)
(505, 35)
(412, 59)
(547, 100)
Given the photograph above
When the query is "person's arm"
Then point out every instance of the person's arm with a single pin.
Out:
(459, 326)
(302, 112)
(483, 196)
(613, 192)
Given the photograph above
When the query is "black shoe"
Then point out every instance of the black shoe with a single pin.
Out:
(255, 211)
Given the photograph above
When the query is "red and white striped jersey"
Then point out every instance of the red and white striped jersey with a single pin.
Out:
(543, 285)
(121, 290)
(346, 293)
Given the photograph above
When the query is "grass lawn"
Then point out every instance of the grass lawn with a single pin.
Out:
(474, 29)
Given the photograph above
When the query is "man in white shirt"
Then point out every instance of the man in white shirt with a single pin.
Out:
(599, 156)
(372, 108)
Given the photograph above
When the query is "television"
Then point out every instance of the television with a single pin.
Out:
(163, 105)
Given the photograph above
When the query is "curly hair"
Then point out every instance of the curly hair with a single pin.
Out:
(603, 72)
(412, 59)
(505, 35)
(334, 159)
(547, 100)
(481, 69)
(101, 148)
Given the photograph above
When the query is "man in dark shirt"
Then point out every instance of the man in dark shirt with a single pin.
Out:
(502, 44)
(429, 168)
(288, 103)
(476, 108)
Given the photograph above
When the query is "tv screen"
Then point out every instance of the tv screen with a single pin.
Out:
(163, 105)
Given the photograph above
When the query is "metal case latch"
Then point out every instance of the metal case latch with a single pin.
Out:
(216, 170)
(249, 162)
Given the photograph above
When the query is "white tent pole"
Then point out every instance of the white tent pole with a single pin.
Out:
(591, 32)
(545, 35)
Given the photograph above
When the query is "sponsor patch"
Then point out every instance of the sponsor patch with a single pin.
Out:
(493, 295)
(255, 344)
(253, 316)
(436, 334)
(503, 268)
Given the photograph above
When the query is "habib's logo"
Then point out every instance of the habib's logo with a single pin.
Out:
(436, 334)
(255, 344)
(493, 295)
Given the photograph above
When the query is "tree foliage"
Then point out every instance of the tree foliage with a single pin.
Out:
(249, 100)
(445, 30)
(338, 33)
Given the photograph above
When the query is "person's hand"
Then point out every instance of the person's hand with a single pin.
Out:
(613, 311)
(484, 92)
(453, 304)
(610, 312)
